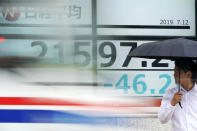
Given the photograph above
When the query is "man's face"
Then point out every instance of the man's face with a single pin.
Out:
(184, 76)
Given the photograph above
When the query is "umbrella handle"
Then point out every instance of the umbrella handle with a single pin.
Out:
(180, 105)
(180, 88)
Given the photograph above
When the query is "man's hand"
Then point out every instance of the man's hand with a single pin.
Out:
(177, 98)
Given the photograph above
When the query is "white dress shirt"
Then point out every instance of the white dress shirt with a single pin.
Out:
(184, 119)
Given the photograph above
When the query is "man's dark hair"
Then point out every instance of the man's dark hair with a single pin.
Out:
(188, 65)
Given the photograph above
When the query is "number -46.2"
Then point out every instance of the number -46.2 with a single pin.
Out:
(139, 85)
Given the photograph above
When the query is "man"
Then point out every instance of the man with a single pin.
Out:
(185, 118)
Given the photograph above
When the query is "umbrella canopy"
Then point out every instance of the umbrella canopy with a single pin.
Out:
(172, 49)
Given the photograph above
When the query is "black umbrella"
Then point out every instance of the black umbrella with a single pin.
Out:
(172, 49)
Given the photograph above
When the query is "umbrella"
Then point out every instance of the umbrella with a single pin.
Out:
(172, 49)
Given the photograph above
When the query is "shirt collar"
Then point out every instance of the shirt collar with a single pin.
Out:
(194, 88)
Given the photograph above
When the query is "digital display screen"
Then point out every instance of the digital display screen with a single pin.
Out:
(146, 17)
(90, 33)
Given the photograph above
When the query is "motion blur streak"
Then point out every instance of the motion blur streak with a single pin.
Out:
(61, 102)
(2, 39)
